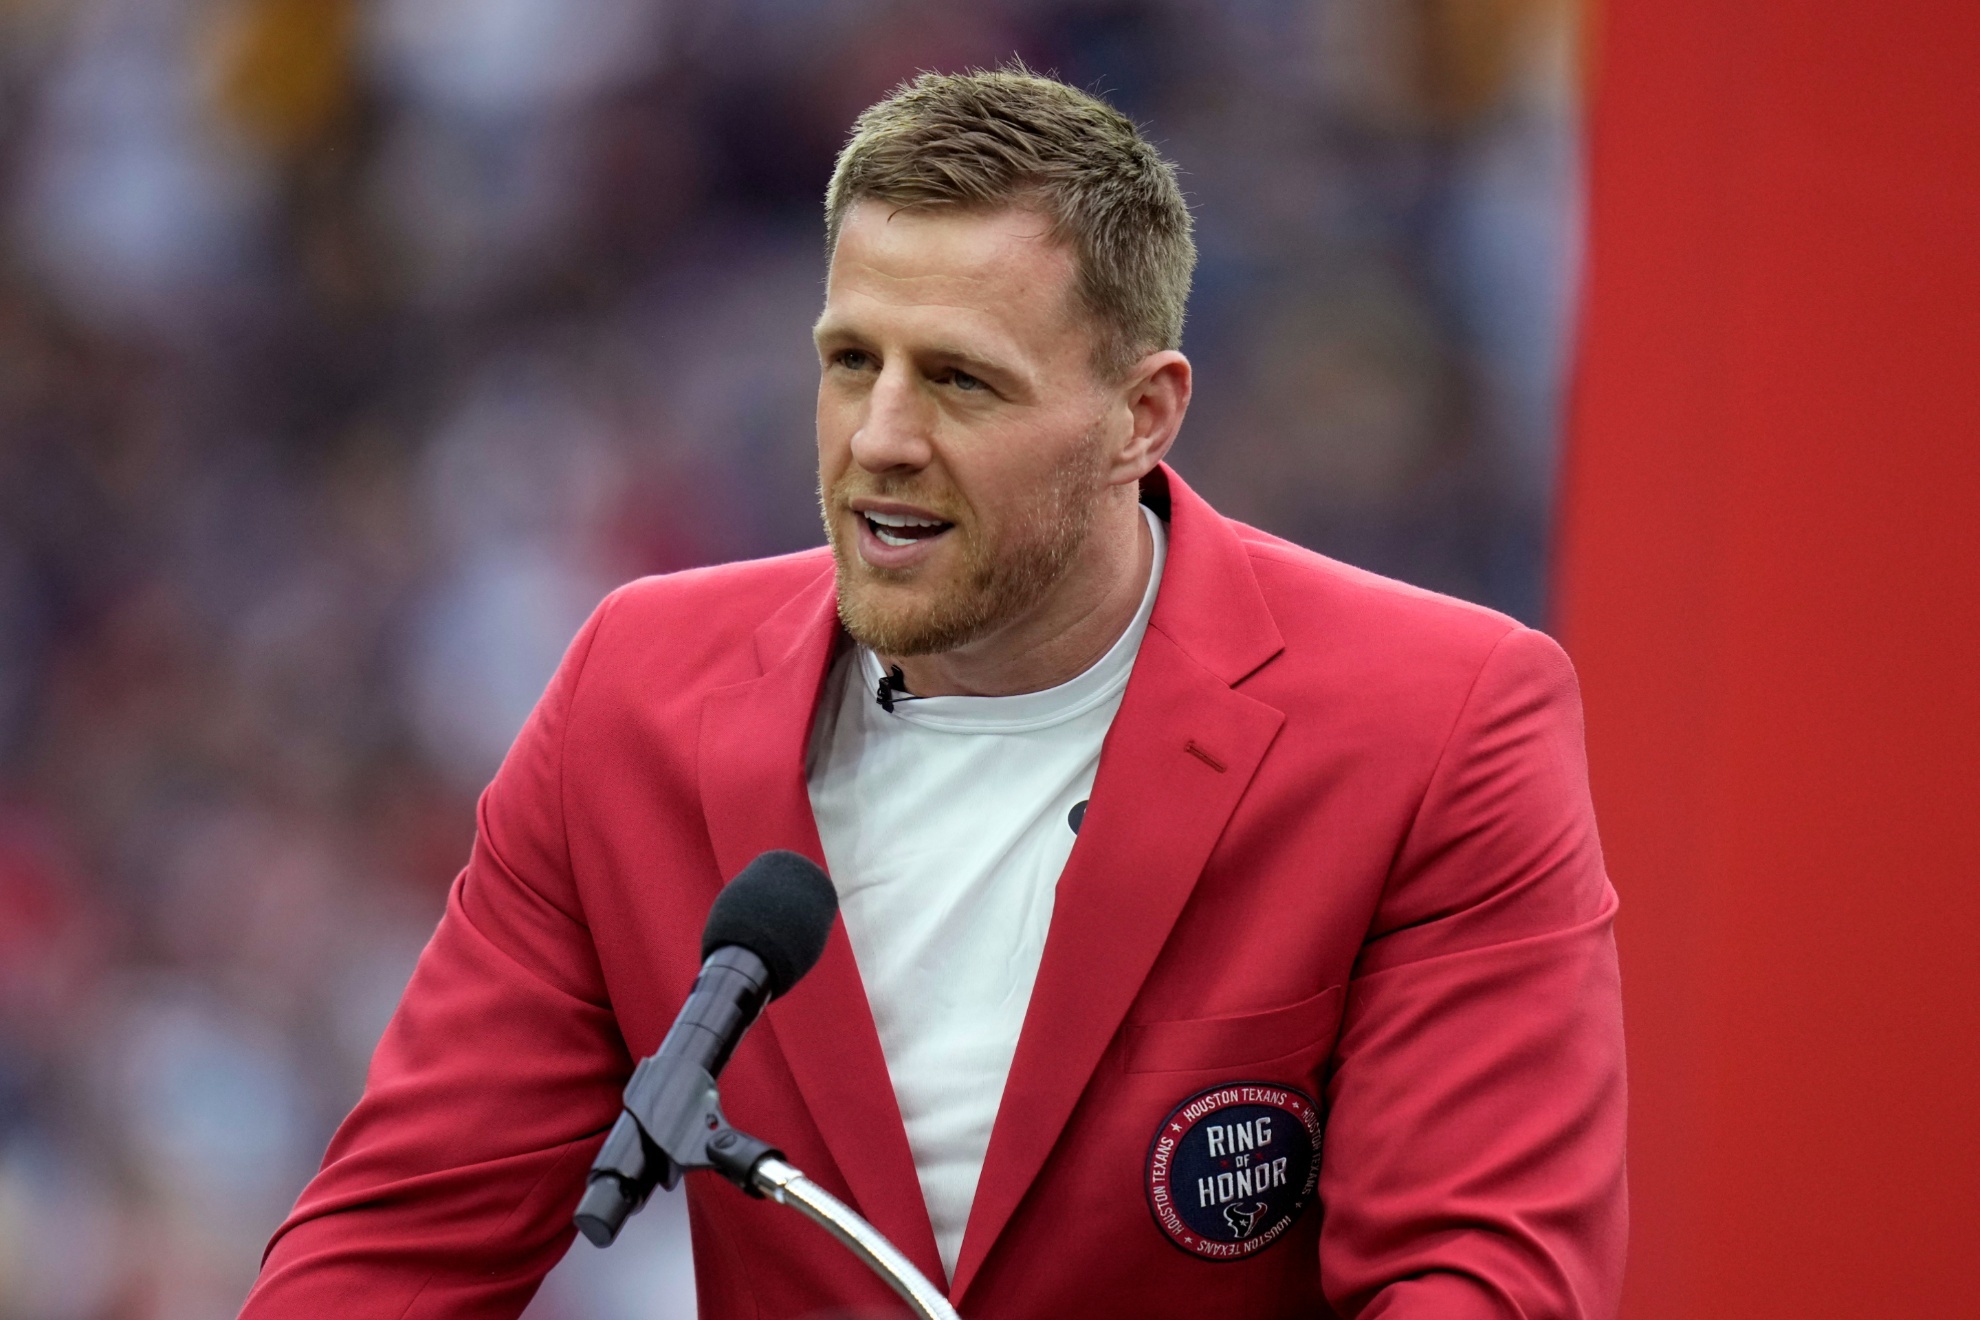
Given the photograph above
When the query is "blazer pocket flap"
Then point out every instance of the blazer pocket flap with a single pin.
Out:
(1190, 1044)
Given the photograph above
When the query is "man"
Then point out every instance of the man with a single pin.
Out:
(1224, 929)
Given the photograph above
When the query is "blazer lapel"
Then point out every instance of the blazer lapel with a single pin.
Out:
(1180, 754)
(753, 741)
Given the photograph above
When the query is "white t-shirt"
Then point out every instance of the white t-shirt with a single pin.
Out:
(945, 826)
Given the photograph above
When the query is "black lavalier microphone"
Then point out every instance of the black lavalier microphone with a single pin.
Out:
(893, 689)
(766, 929)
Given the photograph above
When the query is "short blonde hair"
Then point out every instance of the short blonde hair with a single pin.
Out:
(1012, 138)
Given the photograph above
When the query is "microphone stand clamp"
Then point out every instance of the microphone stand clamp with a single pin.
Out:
(672, 1124)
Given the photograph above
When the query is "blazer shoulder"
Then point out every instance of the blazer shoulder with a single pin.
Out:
(743, 588)
(701, 620)
(1295, 574)
(1404, 647)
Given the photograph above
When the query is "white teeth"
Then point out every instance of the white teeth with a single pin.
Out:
(888, 526)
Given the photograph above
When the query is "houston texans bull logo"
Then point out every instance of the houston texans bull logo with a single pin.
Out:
(1244, 1218)
(1233, 1167)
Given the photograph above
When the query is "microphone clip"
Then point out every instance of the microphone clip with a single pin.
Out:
(672, 1124)
(893, 688)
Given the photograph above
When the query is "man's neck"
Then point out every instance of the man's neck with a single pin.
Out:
(1063, 637)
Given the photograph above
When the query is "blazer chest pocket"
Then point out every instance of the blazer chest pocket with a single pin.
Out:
(1241, 1040)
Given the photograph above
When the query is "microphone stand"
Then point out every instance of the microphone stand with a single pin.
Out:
(672, 1124)
(787, 1186)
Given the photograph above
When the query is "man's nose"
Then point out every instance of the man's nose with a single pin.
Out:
(895, 431)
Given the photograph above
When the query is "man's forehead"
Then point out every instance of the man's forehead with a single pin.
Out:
(995, 263)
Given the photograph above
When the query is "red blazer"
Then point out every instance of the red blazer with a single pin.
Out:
(1339, 850)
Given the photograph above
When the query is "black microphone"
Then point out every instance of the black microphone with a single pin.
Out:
(766, 929)
(893, 690)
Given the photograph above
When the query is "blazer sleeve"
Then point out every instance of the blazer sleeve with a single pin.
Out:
(449, 1189)
(1474, 1150)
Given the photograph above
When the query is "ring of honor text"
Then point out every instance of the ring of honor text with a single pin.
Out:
(1232, 1168)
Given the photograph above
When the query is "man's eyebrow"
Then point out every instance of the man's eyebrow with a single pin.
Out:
(973, 362)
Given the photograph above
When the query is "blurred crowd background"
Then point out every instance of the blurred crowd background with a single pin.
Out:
(351, 349)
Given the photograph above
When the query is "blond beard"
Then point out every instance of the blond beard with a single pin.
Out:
(996, 584)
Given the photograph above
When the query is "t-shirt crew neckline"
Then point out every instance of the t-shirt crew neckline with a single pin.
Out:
(1025, 711)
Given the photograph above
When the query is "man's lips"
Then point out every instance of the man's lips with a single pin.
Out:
(899, 529)
(895, 536)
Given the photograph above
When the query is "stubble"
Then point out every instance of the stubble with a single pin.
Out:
(996, 583)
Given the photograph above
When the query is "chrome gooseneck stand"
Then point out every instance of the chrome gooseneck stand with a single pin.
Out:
(787, 1186)
(672, 1124)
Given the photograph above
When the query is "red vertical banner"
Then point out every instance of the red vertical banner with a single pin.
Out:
(1770, 580)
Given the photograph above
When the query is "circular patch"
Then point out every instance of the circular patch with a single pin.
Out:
(1232, 1168)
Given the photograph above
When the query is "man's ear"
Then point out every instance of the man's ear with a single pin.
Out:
(1155, 396)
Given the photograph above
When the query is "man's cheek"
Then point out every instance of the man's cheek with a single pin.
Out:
(833, 451)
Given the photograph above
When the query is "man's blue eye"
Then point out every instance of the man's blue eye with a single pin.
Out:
(962, 380)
